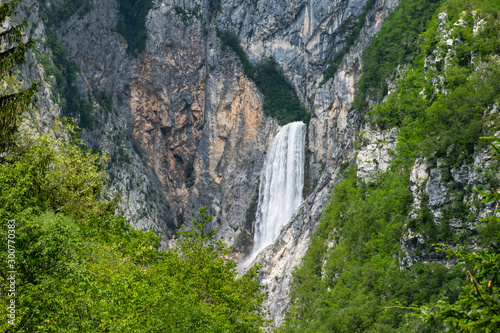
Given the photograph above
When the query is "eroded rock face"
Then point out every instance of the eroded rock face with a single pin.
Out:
(373, 157)
(329, 129)
(431, 186)
(167, 103)
(301, 35)
(185, 127)
(330, 143)
(43, 117)
(231, 153)
(106, 69)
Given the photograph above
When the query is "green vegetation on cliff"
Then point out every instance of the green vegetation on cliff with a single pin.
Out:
(64, 70)
(351, 279)
(477, 309)
(280, 99)
(396, 44)
(350, 275)
(441, 102)
(352, 27)
(133, 24)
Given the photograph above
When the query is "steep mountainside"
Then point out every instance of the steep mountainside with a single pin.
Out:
(177, 93)
(182, 123)
(372, 260)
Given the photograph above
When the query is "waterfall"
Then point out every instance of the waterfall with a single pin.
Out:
(281, 183)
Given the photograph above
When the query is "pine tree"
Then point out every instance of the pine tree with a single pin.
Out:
(12, 51)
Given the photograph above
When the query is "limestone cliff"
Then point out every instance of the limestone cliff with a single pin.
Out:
(184, 126)
(331, 135)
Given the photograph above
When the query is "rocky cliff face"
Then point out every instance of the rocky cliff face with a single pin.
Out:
(48, 110)
(301, 35)
(181, 122)
(184, 126)
(331, 135)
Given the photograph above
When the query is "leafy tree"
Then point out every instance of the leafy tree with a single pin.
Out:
(12, 102)
(236, 302)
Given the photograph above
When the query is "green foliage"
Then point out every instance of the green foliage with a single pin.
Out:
(57, 175)
(133, 25)
(280, 99)
(446, 121)
(187, 15)
(13, 100)
(353, 27)
(235, 301)
(62, 10)
(478, 306)
(81, 267)
(229, 39)
(350, 279)
(214, 7)
(395, 44)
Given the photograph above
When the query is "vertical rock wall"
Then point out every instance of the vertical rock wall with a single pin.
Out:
(185, 127)
(331, 135)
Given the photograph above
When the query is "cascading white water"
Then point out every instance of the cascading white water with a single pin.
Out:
(281, 183)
